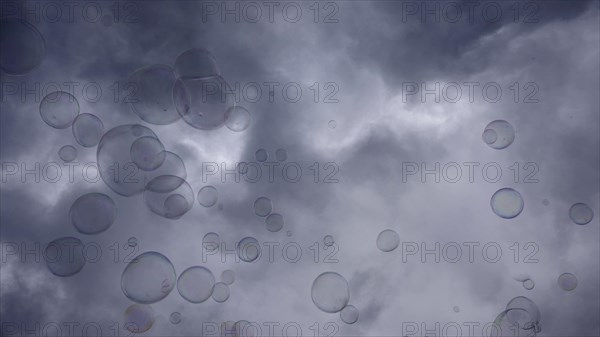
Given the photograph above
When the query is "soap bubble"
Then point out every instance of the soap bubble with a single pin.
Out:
(148, 153)
(132, 241)
(281, 155)
(148, 278)
(172, 204)
(93, 213)
(150, 92)
(139, 318)
(228, 277)
(328, 241)
(245, 329)
(64, 256)
(349, 314)
(528, 284)
(237, 119)
(513, 322)
(261, 155)
(58, 109)
(289, 233)
(517, 317)
(567, 282)
(203, 103)
(220, 292)
(211, 242)
(87, 130)
(196, 284)
(263, 206)
(507, 203)
(196, 63)
(168, 176)
(248, 249)
(23, 46)
(581, 213)
(332, 124)
(67, 153)
(388, 240)
(330, 292)
(499, 134)
(274, 222)
(208, 196)
(175, 318)
(456, 308)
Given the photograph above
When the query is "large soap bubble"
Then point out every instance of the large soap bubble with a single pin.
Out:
(196, 284)
(23, 46)
(196, 63)
(87, 130)
(567, 281)
(528, 319)
(172, 204)
(151, 90)
(388, 240)
(58, 109)
(64, 256)
(581, 213)
(499, 134)
(139, 318)
(330, 292)
(93, 213)
(148, 278)
(248, 249)
(507, 203)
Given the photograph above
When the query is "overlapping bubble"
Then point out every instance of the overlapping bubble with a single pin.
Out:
(150, 93)
(172, 204)
(148, 278)
(248, 249)
(196, 63)
(211, 242)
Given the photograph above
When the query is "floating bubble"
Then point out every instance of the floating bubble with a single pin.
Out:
(196, 284)
(203, 103)
(175, 317)
(64, 256)
(172, 204)
(211, 242)
(208, 196)
(93, 213)
(567, 282)
(151, 94)
(58, 109)
(532, 311)
(388, 240)
(139, 318)
(499, 134)
(168, 176)
(148, 153)
(289, 234)
(328, 241)
(237, 119)
(228, 277)
(513, 322)
(456, 308)
(545, 202)
(332, 124)
(245, 329)
(581, 213)
(281, 155)
(148, 278)
(349, 314)
(330, 292)
(87, 130)
(220, 292)
(132, 241)
(507, 203)
(261, 155)
(274, 222)
(263, 206)
(528, 284)
(23, 46)
(196, 63)
(67, 153)
(248, 249)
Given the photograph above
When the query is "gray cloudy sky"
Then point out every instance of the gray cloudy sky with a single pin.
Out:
(365, 57)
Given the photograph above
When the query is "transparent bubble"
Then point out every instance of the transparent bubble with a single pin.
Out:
(211, 242)
(220, 292)
(528, 284)
(208, 196)
(148, 278)
(175, 317)
(349, 314)
(581, 214)
(203, 103)
(23, 46)
(567, 282)
(148, 153)
(263, 206)
(274, 222)
(196, 284)
(248, 249)
(87, 130)
(139, 318)
(168, 176)
(499, 134)
(67, 153)
(245, 329)
(132, 241)
(196, 63)
(58, 109)
(228, 277)
(332, 124)
(513, 322)
(281, 155)
(261, 155)
(328, 241)
(507, 203)
(521, 302)
(150, 93)
(330, 292)
(237, 119)
(172, 204)
(388, 240)
(93, 213)
(545, 202)
(456, 308)
(64, 256)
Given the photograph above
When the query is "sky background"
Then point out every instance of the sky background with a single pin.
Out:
(368, 53)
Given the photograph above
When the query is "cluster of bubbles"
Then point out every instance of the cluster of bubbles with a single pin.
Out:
(526, 281)
(330, 293)
(521, 317)
(262, 155)
(498, 134)
(263, 207)
(388, 240)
